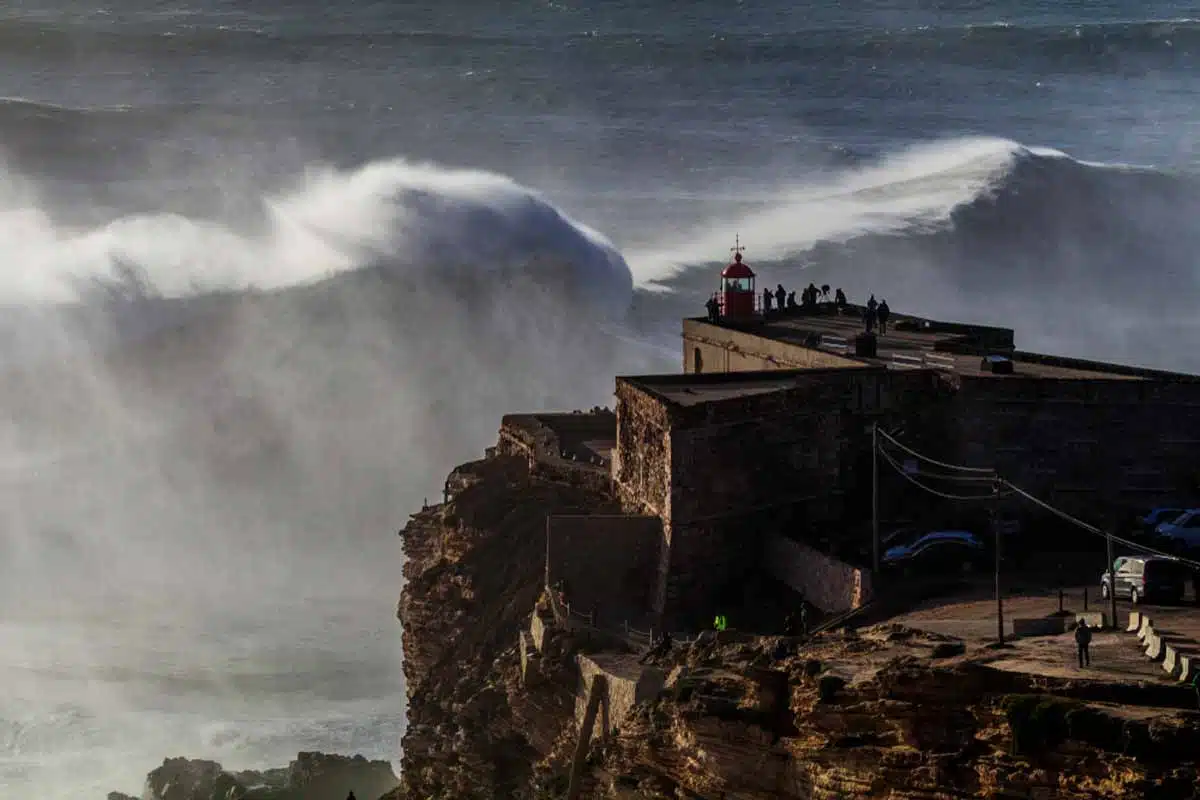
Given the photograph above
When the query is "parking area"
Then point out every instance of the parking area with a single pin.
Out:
(972, 616)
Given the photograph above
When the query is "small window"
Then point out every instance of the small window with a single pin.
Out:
(697, 360)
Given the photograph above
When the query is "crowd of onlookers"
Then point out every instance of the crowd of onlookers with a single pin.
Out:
(875, 315)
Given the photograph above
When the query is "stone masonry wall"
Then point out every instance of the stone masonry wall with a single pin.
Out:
(641, 459)
(727, 350)
(829, 584)
(753, 466)
(628, 685)
(609, 563)
(1097, 447)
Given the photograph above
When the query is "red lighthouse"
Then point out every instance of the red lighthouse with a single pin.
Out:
(737, 287)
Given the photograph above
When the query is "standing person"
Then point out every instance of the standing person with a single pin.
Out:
(883, 312)
(1083, 638)
(804, 618)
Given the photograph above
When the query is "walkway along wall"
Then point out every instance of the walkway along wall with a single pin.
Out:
(608, 563)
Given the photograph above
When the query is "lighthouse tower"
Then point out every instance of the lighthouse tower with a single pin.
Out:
(736, 294)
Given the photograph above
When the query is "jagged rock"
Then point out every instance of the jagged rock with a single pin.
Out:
(120, 796)
(191, 779)
(312, 776)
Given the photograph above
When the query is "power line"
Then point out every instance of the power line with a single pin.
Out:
(988, 479)
(977, 470)
(992, 475)
(1093, 529)
(931, 490)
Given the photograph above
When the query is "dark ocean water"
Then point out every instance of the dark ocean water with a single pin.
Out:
(1028, 163)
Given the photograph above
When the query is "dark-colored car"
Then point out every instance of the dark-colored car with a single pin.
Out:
(1152, 578)
(937, 552)
(1181, 533)
(1145, 524)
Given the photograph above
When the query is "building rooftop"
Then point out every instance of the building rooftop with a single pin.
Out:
(916, 342)
(584, 439)
(708, 387)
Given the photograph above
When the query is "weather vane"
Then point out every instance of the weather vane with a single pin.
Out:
(737, 244)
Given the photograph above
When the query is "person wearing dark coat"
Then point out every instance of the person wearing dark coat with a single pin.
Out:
(839, 297)
(883, 312)
(766, 300)
(780, 297)
(1083, 638)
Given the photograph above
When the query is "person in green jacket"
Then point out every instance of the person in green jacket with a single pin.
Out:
(719, 623)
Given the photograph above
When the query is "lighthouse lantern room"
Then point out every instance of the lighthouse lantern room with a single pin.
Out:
(737, 286)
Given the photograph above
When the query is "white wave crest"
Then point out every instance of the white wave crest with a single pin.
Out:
(918, 186)
(392, 211)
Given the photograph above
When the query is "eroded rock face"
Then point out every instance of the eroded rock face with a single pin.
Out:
(901, 725)
(312, 776)
(474, 571)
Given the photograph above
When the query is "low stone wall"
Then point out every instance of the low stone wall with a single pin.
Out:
(629, 683)
(1055, 626)
(829, 584)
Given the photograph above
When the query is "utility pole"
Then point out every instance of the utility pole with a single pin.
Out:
(875, 498)
(1112, 594)
(994, 512)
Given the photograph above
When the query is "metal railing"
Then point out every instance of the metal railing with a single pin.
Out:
(923, 361)
(838, 344)
(564, 614)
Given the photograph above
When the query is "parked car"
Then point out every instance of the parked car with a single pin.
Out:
(1153, 578)
(937, 551)
(1183, 531)
(1145, 524)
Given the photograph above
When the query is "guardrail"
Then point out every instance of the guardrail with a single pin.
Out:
(923, 361)
(838, 344)
(564, 614)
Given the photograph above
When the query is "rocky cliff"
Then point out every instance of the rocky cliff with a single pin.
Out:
(885, 712)
(473, 573)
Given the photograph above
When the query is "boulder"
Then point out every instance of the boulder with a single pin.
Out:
(188, 779)
(312, 776)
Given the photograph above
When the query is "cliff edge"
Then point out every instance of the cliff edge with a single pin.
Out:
(498, 691)
(473, 573)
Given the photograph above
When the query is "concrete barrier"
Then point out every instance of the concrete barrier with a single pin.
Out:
(1144, 628)
(1094, 619)
(1187, 668)
(1154, 646)
(1170, 663)
(1135, 622)
(1039, 626)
